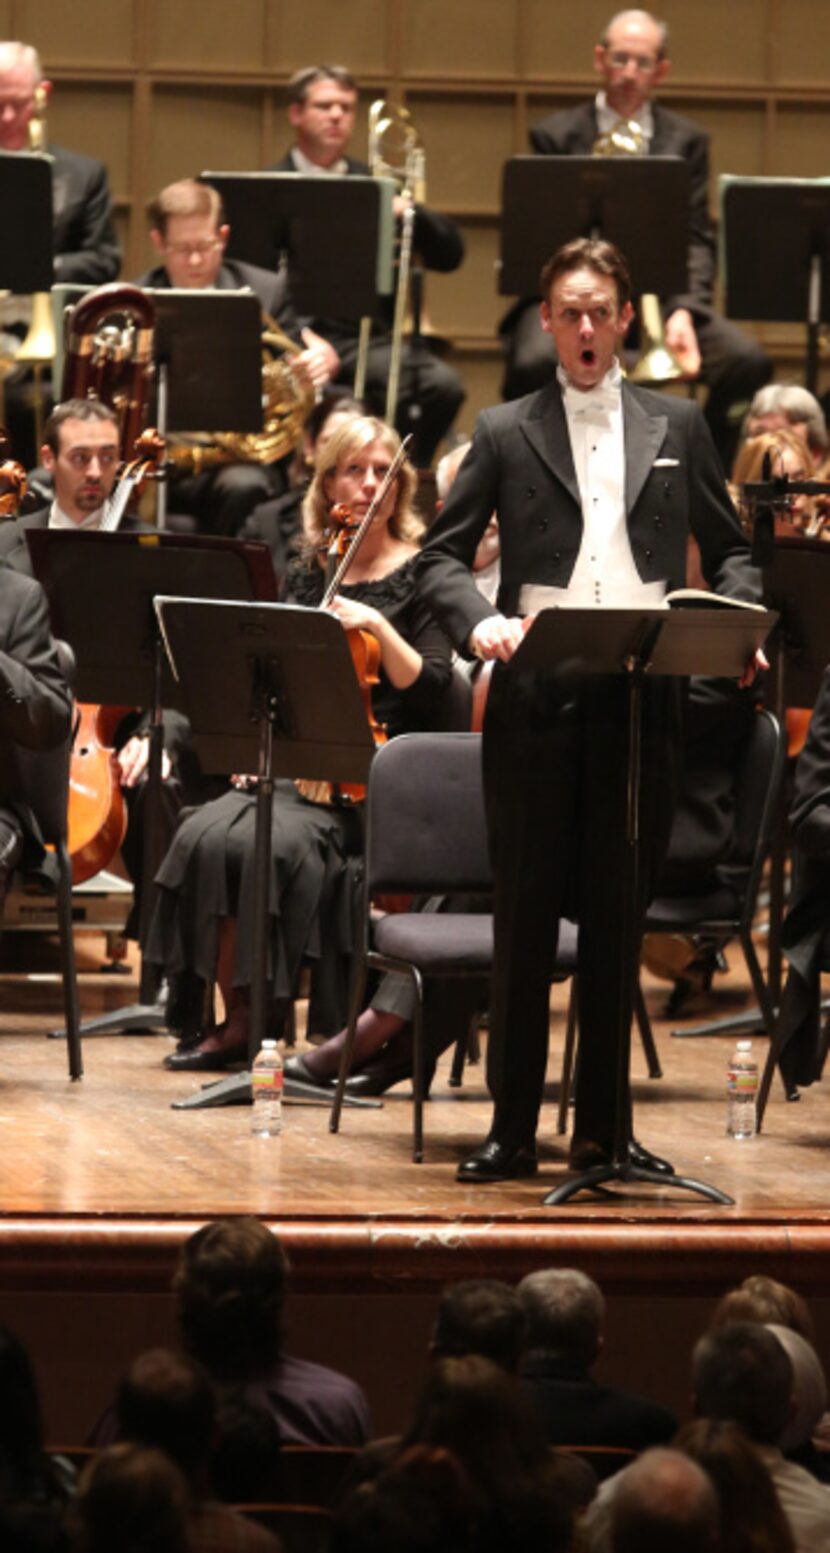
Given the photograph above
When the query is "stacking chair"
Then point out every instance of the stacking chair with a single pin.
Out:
(426, 834)
(42, 778)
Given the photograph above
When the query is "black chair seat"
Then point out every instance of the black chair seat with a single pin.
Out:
(675, 913)
(463, 944)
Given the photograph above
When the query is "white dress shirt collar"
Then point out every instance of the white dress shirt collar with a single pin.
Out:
(60, 519)
(311, 169)
(607, 117)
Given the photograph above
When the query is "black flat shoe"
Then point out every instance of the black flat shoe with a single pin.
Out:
(295, 1068)
(494, 1161)
(214, 1060)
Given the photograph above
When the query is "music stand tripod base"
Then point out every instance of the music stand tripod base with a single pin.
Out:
(236, 1089)
(135, 1019)
(588, 1179)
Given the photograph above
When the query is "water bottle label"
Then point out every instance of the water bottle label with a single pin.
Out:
(267, 1083)
(743, 1084)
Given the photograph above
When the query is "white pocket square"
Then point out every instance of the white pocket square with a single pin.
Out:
(666, 463)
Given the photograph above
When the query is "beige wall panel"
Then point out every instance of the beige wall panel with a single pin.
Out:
(200, 128)
(713, 41)
(802, 143)
(207, 34)
(462, 38)
(481, 376)
(352, 34)
(541, 107)
(466, 143)
(466, 301)
(560, 36)
(5, 18)
(94, 33)
(804, 43)
(736, 139)
(95, 120)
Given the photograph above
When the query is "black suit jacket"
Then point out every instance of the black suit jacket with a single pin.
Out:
(35, 702)
(573, 132)
(521, 467)
(86, 247)
(576, 1410)
(269, 287)
(14, 551)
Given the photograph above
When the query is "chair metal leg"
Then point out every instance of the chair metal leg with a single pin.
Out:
(568, 1061)
(348, 1047)
(71, 1008)
(467, 1049)
(418, 1069)
(759, 985)
(646, 1033)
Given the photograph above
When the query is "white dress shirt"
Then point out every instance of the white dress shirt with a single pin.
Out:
(608, 117)
(60, 519)
(605, 575)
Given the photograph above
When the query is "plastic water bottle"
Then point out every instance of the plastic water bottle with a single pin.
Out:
(266, 1121)
(742, 1092)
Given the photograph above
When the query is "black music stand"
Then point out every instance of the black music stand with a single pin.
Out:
(283, 701)
(26, 263)
(719, 641)
(101, 589)
(335, 235)
(548, 200)
(792, 285)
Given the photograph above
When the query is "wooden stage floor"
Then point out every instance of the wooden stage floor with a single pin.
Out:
(106, 1167)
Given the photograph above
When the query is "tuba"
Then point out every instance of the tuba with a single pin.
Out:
(656, 363)
(109, 355)
(287, 404)
(37, 350)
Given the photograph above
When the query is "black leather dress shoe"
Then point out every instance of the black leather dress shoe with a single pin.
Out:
(586, 1155)
(494, 1161)
(215, 1060)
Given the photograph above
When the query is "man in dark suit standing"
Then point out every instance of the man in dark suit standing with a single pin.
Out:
(632, 59)
(321, 107)
(35, 712)
(596, 485)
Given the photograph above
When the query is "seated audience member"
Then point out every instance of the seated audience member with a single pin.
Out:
(778, 406)
(203, 922)
(480, 1316)
(664, 1501)
(132, 1499)
(564, 1315)
(750, 1518)
(279, 523)
(230, 1293)
(764, 1299)
(788, 455)
(34, 1488)
(423, 1502)
(35, 713)
(809, 1403)
(166, 1401)
(322, 100)
(189, 234)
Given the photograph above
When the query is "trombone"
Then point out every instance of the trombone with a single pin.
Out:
(396, 152)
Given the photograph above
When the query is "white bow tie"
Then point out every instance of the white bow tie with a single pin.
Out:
(594, 404)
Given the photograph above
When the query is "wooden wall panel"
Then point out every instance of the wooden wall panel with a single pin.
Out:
(201, 127)
(464, 38)
(717, 42)
(804, 43)
(308, 31)
(6, 19)
(802, 142)
(559, 39)
(466, 144)
(98, 32)
(737, 139)
(96, 120)
(466, 302)
(211, 33)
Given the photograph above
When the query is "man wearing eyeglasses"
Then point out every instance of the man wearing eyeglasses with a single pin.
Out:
(632, 60)
(189, 234)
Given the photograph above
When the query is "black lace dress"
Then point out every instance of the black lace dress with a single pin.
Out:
(208, 872)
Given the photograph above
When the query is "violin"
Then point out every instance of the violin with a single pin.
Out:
(12, 479)
(97, 817)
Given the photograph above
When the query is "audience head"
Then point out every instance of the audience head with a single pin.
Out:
(339, 470)
(230, 1290)
(447, 468)
(632, 58)
(21, 1436)
(189, 233)
(779, 405)
(741, 1372)
(166, 1400)
(750, 1518)
(765, 1300)
(564, 1314)
(244, 1462)
(131, 1498)
(809, 1388)
(322, 100)
(20, 75)
(422, 1503)
(664, 1502)
(787, 454)
(482, 1316)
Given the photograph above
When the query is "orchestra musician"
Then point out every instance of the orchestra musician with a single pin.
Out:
(190, 235)
(596, 484)
(202, 925)
(632, 59)
(322, 100)
(35, 712)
